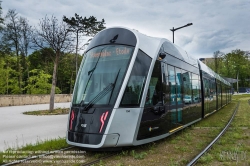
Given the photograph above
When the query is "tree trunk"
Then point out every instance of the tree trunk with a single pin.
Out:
(238, 82)
(53, 87)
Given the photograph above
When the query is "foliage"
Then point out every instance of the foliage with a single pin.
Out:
(233, 64)
(66, 73)
(38, 83)
(11, 36)
(217, 61)
(9, 76)
(16, 38)
(42, 59)
(88, 26)
(3, 75)
(237, 63)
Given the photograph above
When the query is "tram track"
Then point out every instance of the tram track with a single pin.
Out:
(98, 160)
(194, 160)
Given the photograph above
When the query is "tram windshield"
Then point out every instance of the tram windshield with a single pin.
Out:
(101, 74)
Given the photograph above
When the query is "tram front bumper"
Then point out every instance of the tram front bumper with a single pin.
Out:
(92, 140)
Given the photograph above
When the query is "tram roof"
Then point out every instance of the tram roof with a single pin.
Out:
(209, 71)
(152, 45)
(174, 50)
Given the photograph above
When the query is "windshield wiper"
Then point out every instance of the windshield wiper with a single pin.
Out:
(97, 97)
(92, 70)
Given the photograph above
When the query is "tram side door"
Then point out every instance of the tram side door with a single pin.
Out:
(174, 97)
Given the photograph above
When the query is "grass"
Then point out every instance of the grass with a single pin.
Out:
(47, 145)
(234, 147)
(57, 111)
(140, 155)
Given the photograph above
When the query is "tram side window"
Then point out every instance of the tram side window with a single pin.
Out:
(219, 90)
(195, 88)
(135, 86)
(154, 94)
(171, 79)
(212, 97)
(223, 93)
(206, 89)
(179, 84)
(165, 85)
(212, 89)
(187, 86)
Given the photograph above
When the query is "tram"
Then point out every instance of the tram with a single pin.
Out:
(133, 89)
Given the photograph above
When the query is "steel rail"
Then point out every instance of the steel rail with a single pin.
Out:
(211, 144)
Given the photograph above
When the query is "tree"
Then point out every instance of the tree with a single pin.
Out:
(24, 42)
(3, 75)
(56, 36)
(4, 49)
(83, 27)
(240, 65)
(66, 73)
(38, 83)
(42, 59)
(12, 35)
(218, 56)
(232, 65)
(25, 31)
(16, 35)
(8, 75)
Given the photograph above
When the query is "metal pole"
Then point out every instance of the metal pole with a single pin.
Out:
(179, 28)
(173, 34)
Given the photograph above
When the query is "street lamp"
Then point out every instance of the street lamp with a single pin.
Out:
(179, 28)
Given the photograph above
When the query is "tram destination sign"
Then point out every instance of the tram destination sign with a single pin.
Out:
(111, 51)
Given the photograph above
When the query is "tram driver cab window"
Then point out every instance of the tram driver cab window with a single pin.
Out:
(154, 94)
(133, 92)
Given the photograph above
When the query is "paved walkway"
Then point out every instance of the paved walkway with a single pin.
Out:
(17, 129)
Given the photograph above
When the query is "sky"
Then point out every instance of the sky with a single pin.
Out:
(218, 25)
